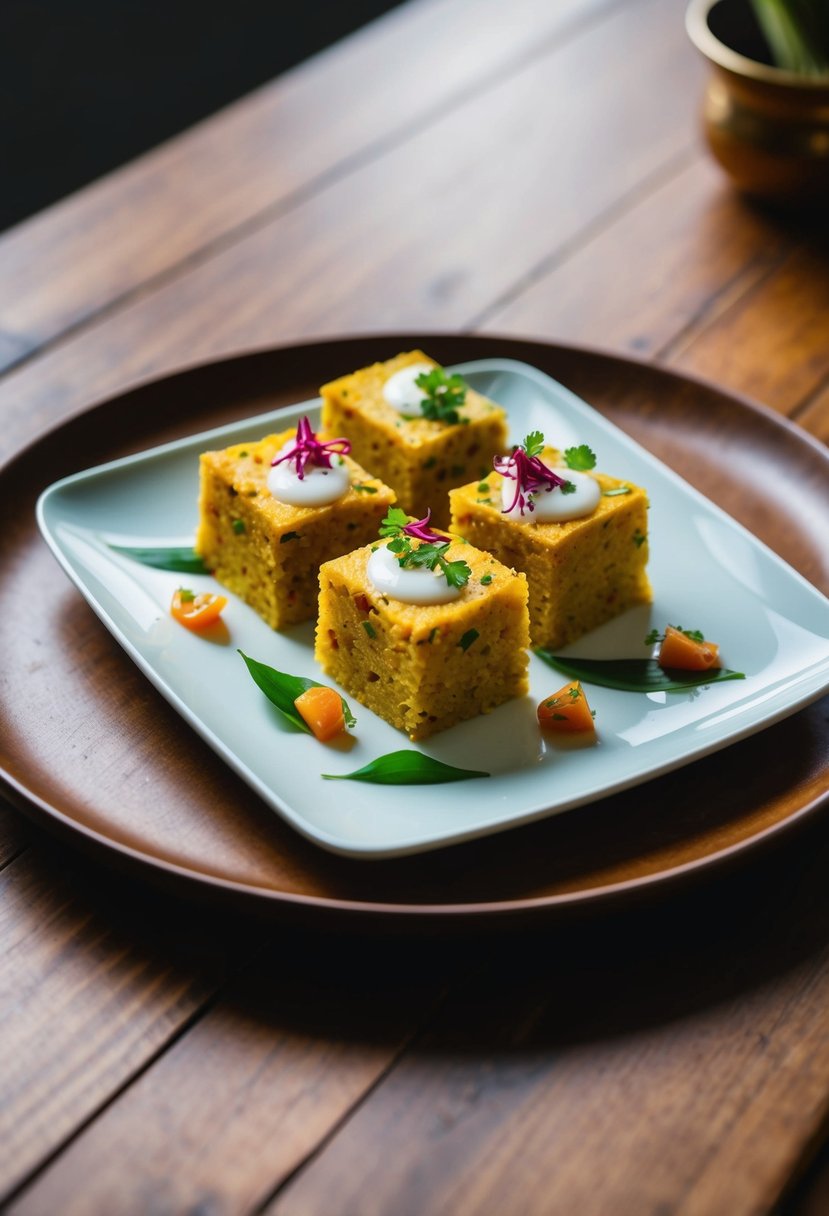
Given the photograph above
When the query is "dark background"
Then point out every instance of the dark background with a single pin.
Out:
(86, 85)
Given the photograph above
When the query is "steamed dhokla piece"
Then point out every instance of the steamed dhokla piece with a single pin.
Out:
(424, 668)
(581, 572)
(269, 552)
(421, 458)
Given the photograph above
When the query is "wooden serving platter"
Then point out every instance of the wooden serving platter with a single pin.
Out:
(88, 747)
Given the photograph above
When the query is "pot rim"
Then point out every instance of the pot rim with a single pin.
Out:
(699, 31)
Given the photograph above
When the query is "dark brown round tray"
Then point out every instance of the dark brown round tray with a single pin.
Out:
(88, 746)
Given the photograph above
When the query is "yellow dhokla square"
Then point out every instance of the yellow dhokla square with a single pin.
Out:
(419, 458)
(425, 667)
(581, 572)
(266, 551)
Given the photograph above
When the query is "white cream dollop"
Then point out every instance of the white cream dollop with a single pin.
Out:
(410, 586)
(318, 487)
(551, 506)
(401, 392)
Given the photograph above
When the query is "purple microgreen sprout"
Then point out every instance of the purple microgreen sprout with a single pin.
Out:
(529, 472)
(308, 450)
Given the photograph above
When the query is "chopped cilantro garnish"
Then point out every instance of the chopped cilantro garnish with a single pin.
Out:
(396, 519)
(617, 490)
(533, 445)
(483, 488)
(639, 538)
(238, 526)
(241, 454)
(361, 489)
(429, 554)
(468, 638)
(443, 395)
(568, 488)
(369, 628)
(486, 580)
(581, 458)
(433, 633)
(288, 536)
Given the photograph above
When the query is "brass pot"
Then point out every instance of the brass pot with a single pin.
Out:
(768, 128)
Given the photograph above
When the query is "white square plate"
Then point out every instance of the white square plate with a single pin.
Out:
(707, 572)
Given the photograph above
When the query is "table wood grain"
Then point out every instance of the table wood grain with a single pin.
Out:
(532, 170)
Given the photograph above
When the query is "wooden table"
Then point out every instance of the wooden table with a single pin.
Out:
(532, 169)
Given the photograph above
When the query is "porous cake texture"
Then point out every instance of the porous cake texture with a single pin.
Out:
(581, 572)
(419, 458)
(266, 551)
(425, 667)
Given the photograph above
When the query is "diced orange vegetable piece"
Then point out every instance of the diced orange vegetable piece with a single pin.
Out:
(196, 611)
(566, 710)
(678, 650)
(322, 709)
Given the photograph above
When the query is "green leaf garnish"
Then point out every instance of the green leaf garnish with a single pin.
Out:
(655, 636)
(639, 538)
(486, 580)
(468, 638)
(533, 445)
(369, 628)
(635, 675)
(428, 555)
(395, 520)
(443, 395)
(581, 458)
(286, 536)
(282, 690)
(361, 489)
(407, 768)
(567, 488)
(238, 526)
(184, 560)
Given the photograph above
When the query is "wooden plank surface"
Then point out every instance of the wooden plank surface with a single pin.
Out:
(530, 184)
(240, 1102)
(410, 264)
(262, 157)
(90, 990)
(668, 1063)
